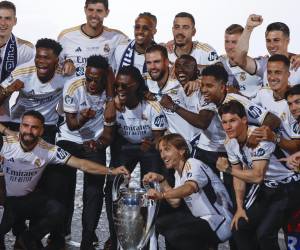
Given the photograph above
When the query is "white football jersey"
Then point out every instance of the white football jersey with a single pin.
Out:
(247, 84)
(261, 70)
(202, 52)
(212, 138)
(22, 170)
(25, 52)
(42, 97)
(75, 99)
(265, 98)
(277, 172)
(212, 202)
(176, 124)
(138, 123)
(78, 46)
(290, 128)
(139, 59)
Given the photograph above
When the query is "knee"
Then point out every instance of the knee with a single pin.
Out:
(55, 210)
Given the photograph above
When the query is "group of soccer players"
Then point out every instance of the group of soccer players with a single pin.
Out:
(220, 134)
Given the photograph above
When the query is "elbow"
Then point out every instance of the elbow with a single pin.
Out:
(258, 179)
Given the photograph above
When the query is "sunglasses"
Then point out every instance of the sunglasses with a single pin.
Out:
(90, 79)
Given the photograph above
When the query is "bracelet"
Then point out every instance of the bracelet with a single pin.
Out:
(162, 180)
(109, 124)
(174, 108)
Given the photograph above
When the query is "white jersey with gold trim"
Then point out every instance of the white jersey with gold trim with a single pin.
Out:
(277, 172)
(42, 97)
(212, 202)
(202, 52)
(25, 52)
(138, 123)
(22, 170)
(78, 46)
(261, 70)
(176, 124)
(75, 99)
(265, 98)
(247, 84)
(212, 138)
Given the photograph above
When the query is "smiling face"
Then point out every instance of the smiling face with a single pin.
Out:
(185, 70)
(126, 88)
(157, 65)
(170, 155)
(94, 80)
(278, 75)
(233, 125)
(7, 21)
(277, 42)
(46, 62)
(95, 14)
(144, 31)
(31, 129)
(230, 43)
(212, 89)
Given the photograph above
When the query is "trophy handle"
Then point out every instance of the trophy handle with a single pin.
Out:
(118, 182)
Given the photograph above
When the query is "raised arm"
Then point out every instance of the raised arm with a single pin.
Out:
(240, 55)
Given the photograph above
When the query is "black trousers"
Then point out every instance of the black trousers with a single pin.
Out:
(184, 231)
(60, 183)
(127, 154)
(265, 218)
(46, 213)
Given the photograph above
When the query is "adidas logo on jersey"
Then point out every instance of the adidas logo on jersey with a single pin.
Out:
(83, 103)
(11, 160)
(78, 49)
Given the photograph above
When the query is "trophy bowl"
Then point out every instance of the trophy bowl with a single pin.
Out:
(133, 214)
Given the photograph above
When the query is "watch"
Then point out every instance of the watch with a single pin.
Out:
(174, 108)
(277, 138)
(228, 170)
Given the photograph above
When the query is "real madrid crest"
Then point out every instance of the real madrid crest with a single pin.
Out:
(106, 48)
(243, 76)
(37, 163)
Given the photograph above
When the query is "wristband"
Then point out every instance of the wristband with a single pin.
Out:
(109, 124)
(174, 108)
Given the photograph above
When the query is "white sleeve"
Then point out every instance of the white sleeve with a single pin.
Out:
(70, 102)
(158, 119)
(261, 65)
(60, 156)
(207, 105)
(193, 172)
(232, 157)
(263, 151)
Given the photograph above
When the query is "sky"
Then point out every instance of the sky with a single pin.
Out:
(41, 18)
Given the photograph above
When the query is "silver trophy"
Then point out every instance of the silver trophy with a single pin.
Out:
(133, 214)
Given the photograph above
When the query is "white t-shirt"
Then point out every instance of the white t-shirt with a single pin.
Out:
(75, 99)
(212, 138)
(176, 124)
(78, 46)
(22, 170)
(138, 123)
(248, 84)
(42, 97)
(212, 202)
(261, 70)
(202, 52)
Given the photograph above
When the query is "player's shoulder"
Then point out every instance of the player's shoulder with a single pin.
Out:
(24, 69)
(154, 105)
(68, 31)
(74, 84)
(114, 31)
(47, 146)
(202, 46)
(23, 42)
